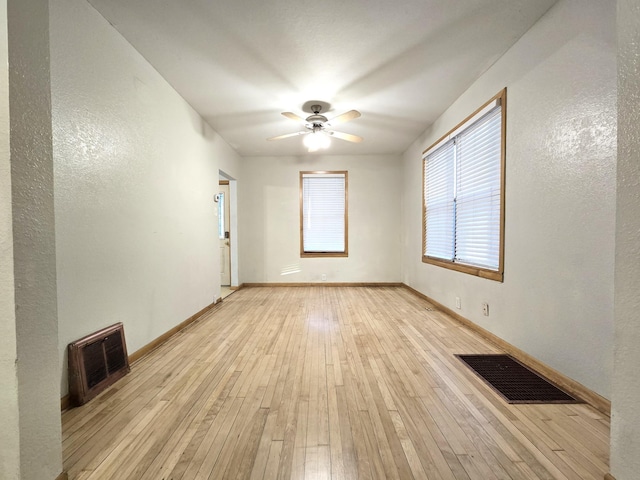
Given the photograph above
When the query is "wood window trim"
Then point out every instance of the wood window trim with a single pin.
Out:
(497, 275)
(304, 254)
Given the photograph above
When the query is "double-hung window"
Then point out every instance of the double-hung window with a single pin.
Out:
(463, 203)
(323, 214)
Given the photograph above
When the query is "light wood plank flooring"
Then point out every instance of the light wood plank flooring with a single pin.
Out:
(324, 382)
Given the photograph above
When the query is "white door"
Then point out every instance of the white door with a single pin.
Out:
(223, 234)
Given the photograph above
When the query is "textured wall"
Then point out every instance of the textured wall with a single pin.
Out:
(270, 225)
(136, 170)
(34, 240)
(556, 302)
(625, 429)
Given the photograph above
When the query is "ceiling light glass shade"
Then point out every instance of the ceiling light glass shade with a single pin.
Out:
(315, 141)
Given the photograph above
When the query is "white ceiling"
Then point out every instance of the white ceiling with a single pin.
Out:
(401, 63)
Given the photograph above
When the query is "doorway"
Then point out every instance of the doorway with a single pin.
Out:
(224, 232)
(227, 234)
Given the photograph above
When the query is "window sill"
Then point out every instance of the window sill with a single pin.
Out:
(323, 254)
(468, 269)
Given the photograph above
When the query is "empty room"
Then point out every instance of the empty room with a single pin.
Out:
(341, 240)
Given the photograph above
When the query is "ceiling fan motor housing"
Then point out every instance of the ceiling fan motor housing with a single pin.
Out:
(316, 119)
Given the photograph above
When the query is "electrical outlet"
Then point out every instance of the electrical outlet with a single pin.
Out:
(458, 304)
(485, 309)
(324, 277)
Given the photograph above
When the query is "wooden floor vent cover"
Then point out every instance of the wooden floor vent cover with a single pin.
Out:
(96, 362)
(513, 381)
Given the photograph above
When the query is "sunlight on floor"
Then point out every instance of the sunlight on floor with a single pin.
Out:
(225, 291)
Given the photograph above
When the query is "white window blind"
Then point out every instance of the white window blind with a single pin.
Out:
(323, 212)
(440, 211)
(478, 193)
(463, 194)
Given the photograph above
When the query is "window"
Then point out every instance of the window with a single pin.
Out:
(463, 202)
(323, 214)
(221, 220)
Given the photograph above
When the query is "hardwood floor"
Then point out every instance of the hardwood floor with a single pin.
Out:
(324, 382)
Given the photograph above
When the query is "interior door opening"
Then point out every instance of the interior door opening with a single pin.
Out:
(228, 233)
(224, 233)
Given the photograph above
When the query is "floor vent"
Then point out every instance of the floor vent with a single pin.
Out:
(513, 381)
(96, 362)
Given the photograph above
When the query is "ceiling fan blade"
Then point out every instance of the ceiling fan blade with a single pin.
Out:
(346, 136)
(345, 117)
(280, 137)
(294, 117)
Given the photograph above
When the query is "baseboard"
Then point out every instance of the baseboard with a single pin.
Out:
(571, 386)
(138, 354)
(63, 476)
(325, 284)
(608, 476)
(65, 403)
(236, 288)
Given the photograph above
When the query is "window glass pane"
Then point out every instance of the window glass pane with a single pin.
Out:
(323, 213)
(221, 216)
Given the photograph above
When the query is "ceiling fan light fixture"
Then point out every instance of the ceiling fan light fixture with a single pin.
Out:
(316, 141)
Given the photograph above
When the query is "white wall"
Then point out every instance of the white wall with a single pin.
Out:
(270, 220)
(9, 411)
(34, 261)
(136, 170)
(625, 426)
(556, 302)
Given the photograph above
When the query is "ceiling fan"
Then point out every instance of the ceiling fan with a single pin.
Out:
(319, 129)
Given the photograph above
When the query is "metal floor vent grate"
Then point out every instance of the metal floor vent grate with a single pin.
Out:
(513, 381)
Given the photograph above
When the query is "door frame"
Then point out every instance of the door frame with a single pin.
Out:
(223, 185)
(233, 226)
